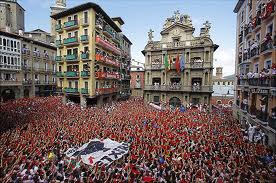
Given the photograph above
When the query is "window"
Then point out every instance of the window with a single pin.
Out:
(229, 83)
(267, 64)
(60, 83)
(258, 37)
(36, 76)
(85, 31)
(86, 85)
(242, 16)
(69, 19)
(218, 83)
(223, 83)
(76, 84)
(59, 22)
(69, 34)
(70, 84)
(76, 17)
(76, 34)
(156, 99)
(269, 29)
(256, 68)
(85, 19)
(138, 76)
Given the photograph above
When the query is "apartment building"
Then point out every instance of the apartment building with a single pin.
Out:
(93, 55)
(27, 67)
(255, 91)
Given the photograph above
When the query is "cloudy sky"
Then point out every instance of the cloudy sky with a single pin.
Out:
(141, 15)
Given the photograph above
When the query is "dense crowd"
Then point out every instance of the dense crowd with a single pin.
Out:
(165, 146)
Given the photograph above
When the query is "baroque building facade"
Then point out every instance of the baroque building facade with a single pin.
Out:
(179, 67)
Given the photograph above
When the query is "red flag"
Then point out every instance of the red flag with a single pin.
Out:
(177, 64)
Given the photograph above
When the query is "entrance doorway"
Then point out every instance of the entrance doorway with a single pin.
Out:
(8, 94)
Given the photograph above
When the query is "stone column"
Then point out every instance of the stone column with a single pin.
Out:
(83, 101)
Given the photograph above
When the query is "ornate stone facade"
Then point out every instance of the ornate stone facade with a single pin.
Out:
(179, 82)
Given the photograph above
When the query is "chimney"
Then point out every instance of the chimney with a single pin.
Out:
(219, 72)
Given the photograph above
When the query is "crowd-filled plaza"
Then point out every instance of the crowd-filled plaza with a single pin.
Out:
(164, 146)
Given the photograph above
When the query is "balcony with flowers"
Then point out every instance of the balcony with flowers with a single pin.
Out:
(107, 60)
(107, 75)
(107, 45)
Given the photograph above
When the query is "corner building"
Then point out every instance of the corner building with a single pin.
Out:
(93, 56)
(255, 91)
(193, 84)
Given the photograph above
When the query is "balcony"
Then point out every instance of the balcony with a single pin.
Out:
(107, 75)
(107, 60)
(197, 65)
(85, 56)
(178, 88)
(272, 122)
(255, 52)
(71, 90)
(59, 43)
(104, 91)
(59, 74)
(70, 25)
(59, 59)
(107, 45)
(72, 74)
(107, 30)
(27, 82)
(85, 74)
(266, 46)
(72, 58)
(155, 67)
(84, 91)
(26, 51)
(84, 38)
(11, 82)
(59, 28)
(70, 41)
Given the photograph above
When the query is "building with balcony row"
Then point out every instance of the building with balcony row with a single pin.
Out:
(179, 67)
(255, 92)
(93, 57)
(27, 67)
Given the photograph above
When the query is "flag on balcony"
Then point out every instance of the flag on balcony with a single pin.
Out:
(170, 62)
(166, 62)
(182, 62)
(177, 64)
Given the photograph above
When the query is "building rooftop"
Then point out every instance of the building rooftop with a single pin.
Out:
(86, 6)
(238, 6)
(16, 36)
(12, 1)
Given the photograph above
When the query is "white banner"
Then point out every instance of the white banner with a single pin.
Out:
(101, 152)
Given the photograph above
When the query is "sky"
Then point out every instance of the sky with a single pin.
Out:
(141, 15)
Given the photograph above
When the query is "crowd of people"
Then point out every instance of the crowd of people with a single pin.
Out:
(165, 146)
